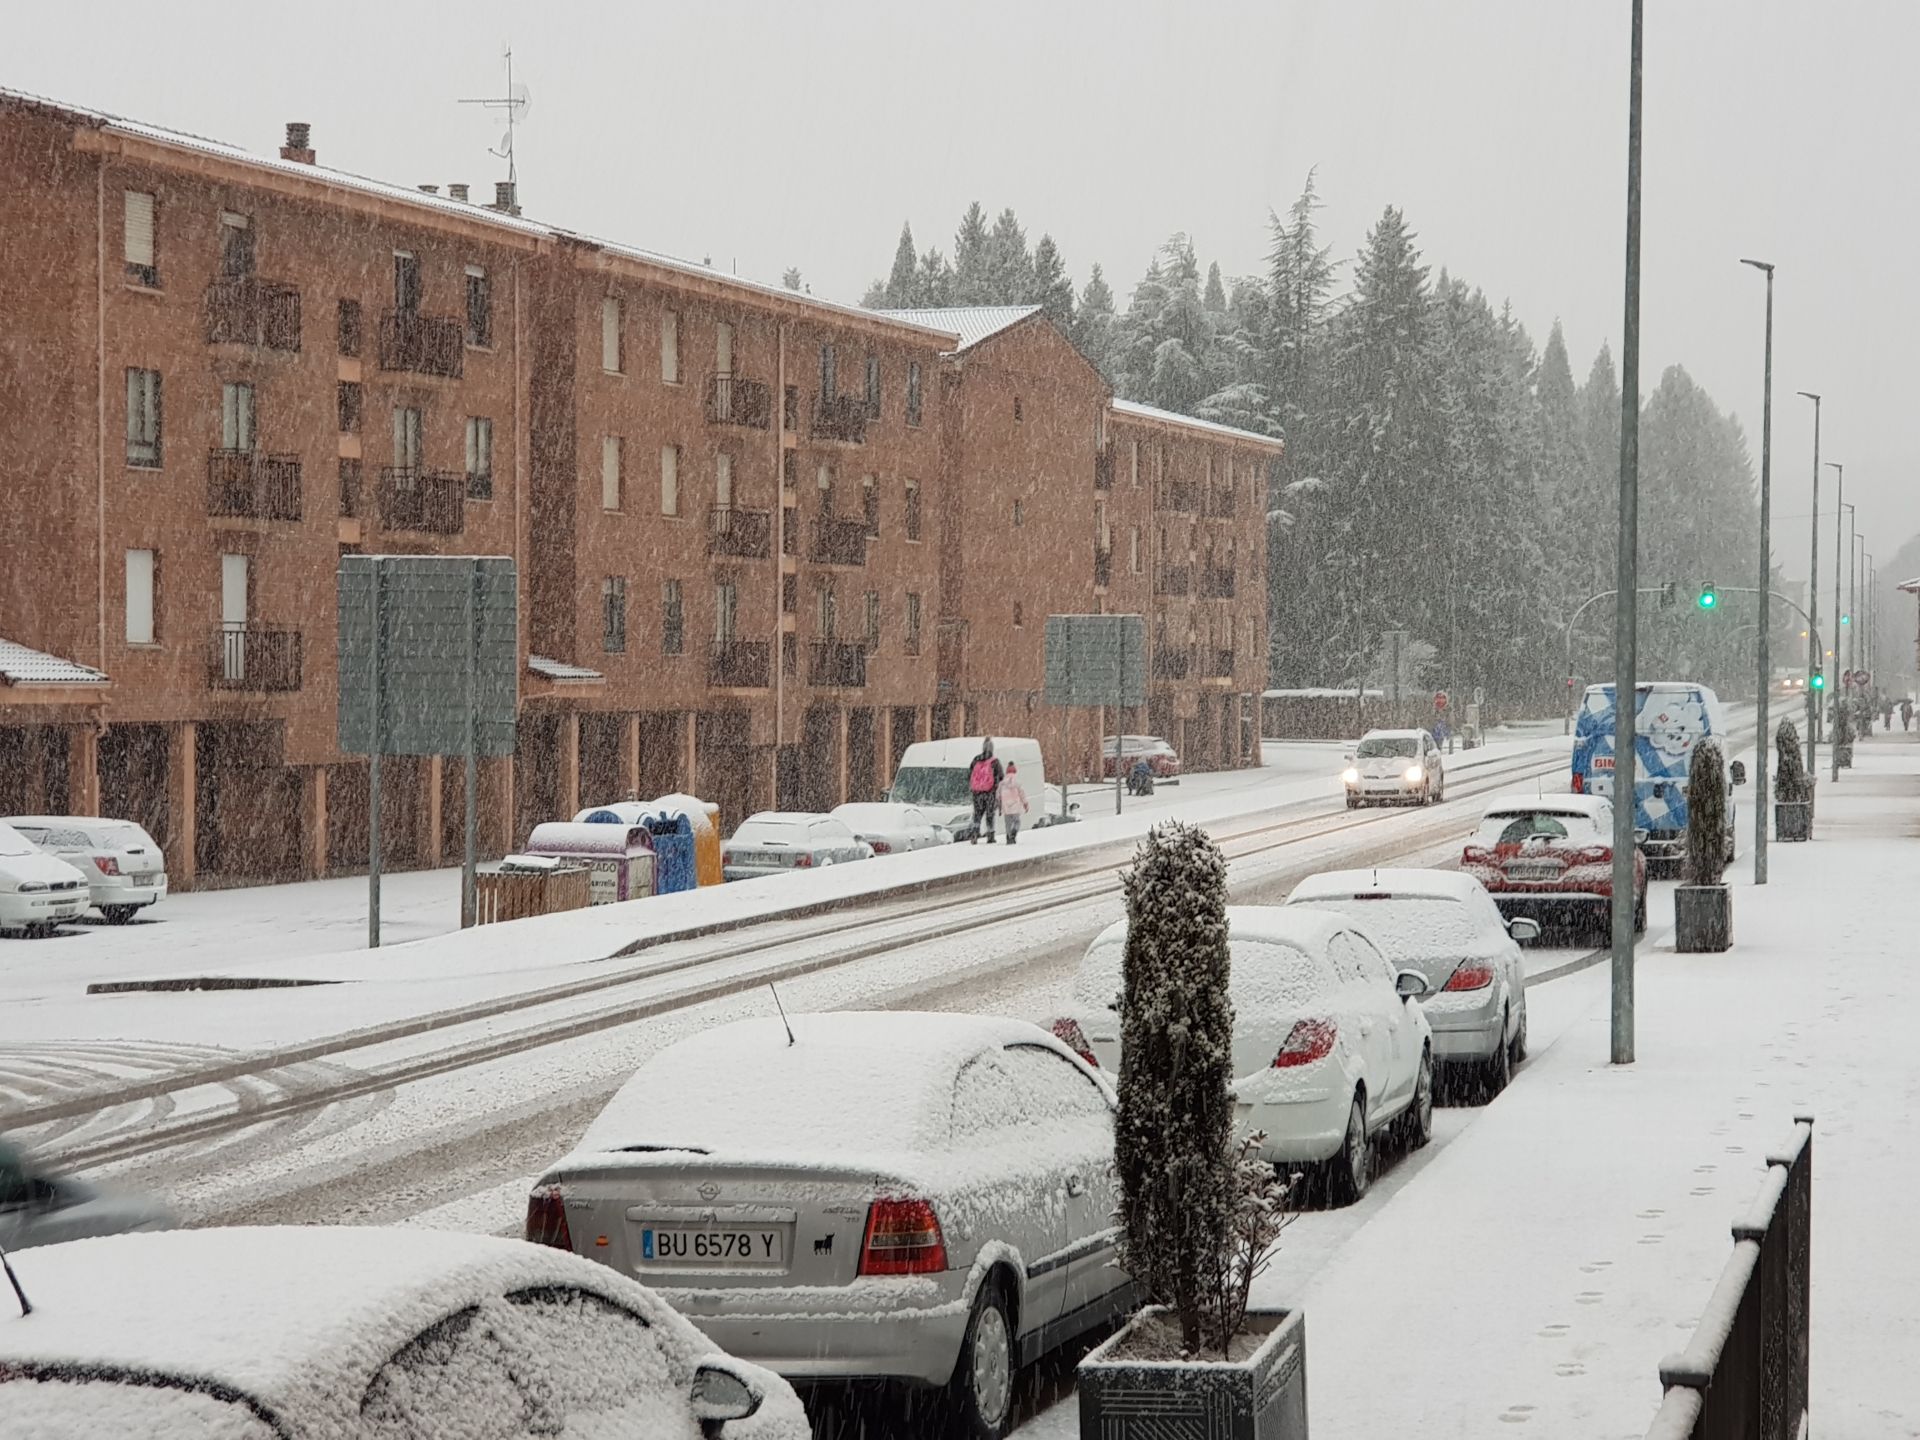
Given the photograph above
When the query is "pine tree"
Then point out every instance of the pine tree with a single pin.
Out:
(1215, 298)
(971, 261)
(791, 279)
(1052, 286)
(1094, 323)
(900, 281)
(933, 282)
(1009, 266)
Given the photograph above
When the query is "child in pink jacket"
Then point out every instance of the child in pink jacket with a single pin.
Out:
(1013, 801)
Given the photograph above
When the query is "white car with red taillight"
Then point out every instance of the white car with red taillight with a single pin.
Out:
(917, 1198)
(1329, 1042)
(1550, 857)
(891, 829)
(1444, 925)
(124, 866)
(775, 842)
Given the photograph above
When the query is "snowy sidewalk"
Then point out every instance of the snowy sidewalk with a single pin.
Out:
(1534, 1275)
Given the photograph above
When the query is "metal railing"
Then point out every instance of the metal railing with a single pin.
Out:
(433, 502)
(735, 400)
(1173, 580)
(740, 665)
(1743, 1375)
(1217, 582)
(254, 657)
(743, 534)
(840, 417)
(243, 310)
(839, 542)
(350, 489)
(245, 484)
(838, 663)
(423, 344)
(1102, 566)
(1221, 503)
(1219, 663)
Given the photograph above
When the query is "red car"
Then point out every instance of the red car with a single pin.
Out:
(1550, 857)
(1162, 759)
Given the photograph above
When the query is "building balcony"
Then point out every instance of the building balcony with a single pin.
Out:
(260, 658)
(1103, 470)
(242, 310)
(1171, 663)
(423, 344)
(1173, 580)
(1222, 504)
(1219, 663)
(1179, 496)
(839, 542)
(841, 418)
(742, 534)
(432, 502)
(1102, 567)
(1217, 582)
(736, 400)
(740, 665)
(243, 484)
(838, 664)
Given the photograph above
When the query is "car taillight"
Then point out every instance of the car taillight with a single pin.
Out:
(903, 1238)
(1308, 1041)
(107, 864)
(1579, 783)
(726, 857)
(1069, 1033)
(1470, 975)
(547, 1218)
(803, 861)
(1475, 855)
(881, 847)
(1594, 855)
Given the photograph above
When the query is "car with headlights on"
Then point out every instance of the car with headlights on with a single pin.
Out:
(777, 841)
(1330, 1043)
(38, 892)
(1395, 767)
(1443, 924)
(1550, 857)
(123, 865)
(41, 1208)
(891, 829)
(921, 1199)
(319, 1332)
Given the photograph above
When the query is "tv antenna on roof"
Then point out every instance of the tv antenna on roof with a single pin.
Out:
(516, 102)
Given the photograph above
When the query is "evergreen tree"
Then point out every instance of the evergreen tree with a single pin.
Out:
(1010, 270)
(972, 267)
(1094, 323)
(791, 279)
(933, 282)
(1052, 286)
(900, 281)
(1215, 298)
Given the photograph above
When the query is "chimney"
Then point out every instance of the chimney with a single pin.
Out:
(505, 200)
(428, 189)
(457, 192)
(298, 147)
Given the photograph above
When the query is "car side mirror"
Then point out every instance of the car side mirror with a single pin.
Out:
(1349, 755)
(1074, 809)
(1640, 837)
(1739, 772)
(719, 1395)
(1410, 985)
(1523, 927)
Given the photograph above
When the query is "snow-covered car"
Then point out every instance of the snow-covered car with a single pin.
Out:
(1395, 767)
(776, 841)
(1162, 759)
(914, 1198)
(1442, 924)
(891, 829)
(38, 891)
(1551, 857)
(1329, 1042)
(37, 1208)
(348, 1333)
(123, 865)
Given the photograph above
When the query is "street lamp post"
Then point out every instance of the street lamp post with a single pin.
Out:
(1840, 492)
(1813, 599)
(1765, 584)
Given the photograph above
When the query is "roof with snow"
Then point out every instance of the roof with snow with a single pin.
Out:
(972, 323)
(560, 670)
(1134, 410)
(23, 665)
(1405, 881)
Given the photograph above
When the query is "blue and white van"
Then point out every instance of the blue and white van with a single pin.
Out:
(1671, 717)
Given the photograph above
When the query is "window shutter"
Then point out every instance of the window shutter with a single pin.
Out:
(610, 334)
(139, 228)
(670, 480)
(670, 348)
(610, 473)
(139, 597)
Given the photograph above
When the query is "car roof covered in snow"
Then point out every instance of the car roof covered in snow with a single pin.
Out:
(1437, 884)
(1519, 802)
(299, 1317)
(1393, 735)
(1270, 924)
(872, 810)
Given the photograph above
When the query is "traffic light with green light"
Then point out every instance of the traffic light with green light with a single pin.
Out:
(1818, 681)
(1709, 597)
(1846, 619)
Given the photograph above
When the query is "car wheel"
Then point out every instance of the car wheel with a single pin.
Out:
(1517, 1047)
(1416, 1126)
(119, 914)
(1350, 1172)
(1499, 1068)
(1352, 804)
(983, 1376)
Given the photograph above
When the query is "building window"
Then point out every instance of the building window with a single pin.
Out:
(913, 510)
(479, 308)
(873, 387)
(479, 458)
(610, 473)
(670, 347)
(349, 327)
(236, 417)
(349, 405)
(789, 595)
(1019, 515)
(726, 612)
(406, 440)
(1133, 550)
(137, 225)
(789, 653)
(826, 617)
(613, 614)
(672, 619)
(873, 621)
(913, 624)
(1100, 526)
(1016, 409)
(141, 566)
(406, 284)
(1019, 616)
(823, 477)
(610, 335)
(913, 392)
(236, 245)
(669, 479)
(829, 373)
(143, 418)
(870, 503)
(349, 487)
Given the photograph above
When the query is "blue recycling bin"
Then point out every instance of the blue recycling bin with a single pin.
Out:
(673, 858)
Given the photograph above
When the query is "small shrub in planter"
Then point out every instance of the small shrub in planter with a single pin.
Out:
(1843, 735)
(1792, 787)
(1199, 1216)
(1702, 904)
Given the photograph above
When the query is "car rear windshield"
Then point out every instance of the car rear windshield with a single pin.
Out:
(1407, 926)
(12, 842)
(1381, 747)
(932, 785)
(1264, 975)
(1513, 829)
(768, 832)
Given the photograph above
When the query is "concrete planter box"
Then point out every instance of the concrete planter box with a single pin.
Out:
(1263, 1397)
(1792, 820)
(1702, 919)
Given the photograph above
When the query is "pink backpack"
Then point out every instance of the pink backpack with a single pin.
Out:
(981, 781)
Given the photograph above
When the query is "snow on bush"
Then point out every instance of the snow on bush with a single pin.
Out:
(1791, 782)
(1706, 813)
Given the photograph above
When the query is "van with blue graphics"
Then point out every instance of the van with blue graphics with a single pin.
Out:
(1671, 718)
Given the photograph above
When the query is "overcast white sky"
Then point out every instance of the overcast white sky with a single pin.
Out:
(768, 134)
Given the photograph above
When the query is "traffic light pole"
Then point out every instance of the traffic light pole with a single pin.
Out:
(1584, 606)
(1765, 586)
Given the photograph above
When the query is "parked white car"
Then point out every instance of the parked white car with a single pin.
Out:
(776, 841)
(916, 1198)
(891, 829)
(1329, 1042)
(1446, 926)
(123, 864)
(38, 892)
(295, 1333)
(1395, 767)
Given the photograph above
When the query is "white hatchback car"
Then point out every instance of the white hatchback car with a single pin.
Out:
(1395, 767)
(37, 891)
(123, 864)
(1329, 1042)
(891, 829)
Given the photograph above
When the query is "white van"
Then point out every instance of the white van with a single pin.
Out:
(122, 863)
(933, 774)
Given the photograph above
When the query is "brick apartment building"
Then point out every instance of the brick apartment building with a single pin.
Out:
(764, 541)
